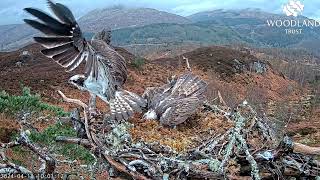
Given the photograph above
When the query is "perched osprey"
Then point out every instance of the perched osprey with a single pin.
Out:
(175, 101)
(105, 69)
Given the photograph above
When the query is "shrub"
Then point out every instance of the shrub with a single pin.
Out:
(10, 104)
(138, 62)
(72, 151)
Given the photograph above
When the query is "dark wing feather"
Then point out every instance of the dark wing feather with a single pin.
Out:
(58, 49)
(44, 28)
(188, 85)
(48, 20)
(64, 42)
(179, 111)
(62, 12)
(50, 42)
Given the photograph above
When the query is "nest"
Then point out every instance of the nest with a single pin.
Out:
(216, 143)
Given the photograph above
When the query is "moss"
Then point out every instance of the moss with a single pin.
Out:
(74, 152)
(19, 150)
(49, 135)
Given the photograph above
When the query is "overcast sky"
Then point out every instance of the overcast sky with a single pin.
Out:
(11, 10)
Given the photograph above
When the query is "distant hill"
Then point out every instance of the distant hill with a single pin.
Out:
(221, 27)
(252, 23)
(15, 36)
(18, 35)
(177, 33)
(243, 13)
(117, 18)
(144, 29)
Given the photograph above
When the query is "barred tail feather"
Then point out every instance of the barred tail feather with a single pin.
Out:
(124, 105)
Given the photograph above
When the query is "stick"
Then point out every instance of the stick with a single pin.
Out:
(71, 140)
(11, 168)
(304, 149)
(85, 107)
(74, 101)
(124, 169)
(221, 99)
(187, 61)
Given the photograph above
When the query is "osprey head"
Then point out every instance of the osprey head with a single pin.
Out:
(78, 81)
(150, 115)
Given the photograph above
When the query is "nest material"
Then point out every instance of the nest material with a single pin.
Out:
(246, 146)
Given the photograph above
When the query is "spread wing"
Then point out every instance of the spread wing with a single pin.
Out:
(65, 44)
(180, 110)
(187, 95)
(154, 95)
(189, 85)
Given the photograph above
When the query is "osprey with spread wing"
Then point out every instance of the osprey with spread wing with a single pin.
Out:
(105, 69)
(175, 101)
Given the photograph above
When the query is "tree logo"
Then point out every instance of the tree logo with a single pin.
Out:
(293, 8)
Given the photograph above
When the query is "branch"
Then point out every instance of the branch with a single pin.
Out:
(85, 107)
(304, 149)
(222, 100)
(187, 62)
(50, 164)
(120, 167)
(74, 101)
(11, 168)
(70, 140)
(9, 145)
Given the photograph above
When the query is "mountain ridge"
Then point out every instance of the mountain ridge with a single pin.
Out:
(117, 18)
(218, 27)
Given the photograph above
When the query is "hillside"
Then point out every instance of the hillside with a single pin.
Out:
(221, 66)
(18, 35)
(117, 18)
(243, 13)
(15, 36)
(235, 74)
(220, 27)
(148, 30)
(252, 23)
(226, 68)
(176, 34)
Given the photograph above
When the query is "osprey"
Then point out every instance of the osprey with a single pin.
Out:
(105, 69)
(175, 101)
